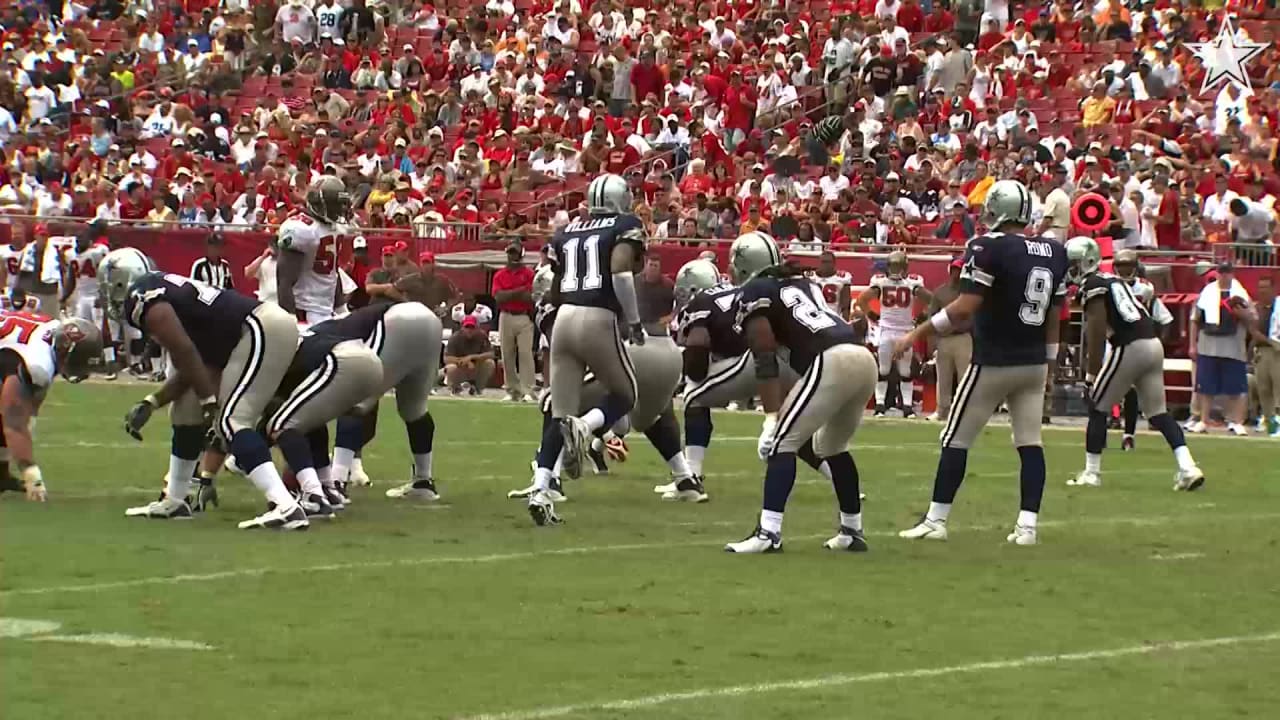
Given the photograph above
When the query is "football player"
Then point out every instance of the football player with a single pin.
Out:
(594, 289)
(118, 269)
(406, 338)
(1128, 268)
(1121, 352)
(1011, 287)
(836, 286)
(34, 349)
(780, 311)
(80, 286)
(231, 352)
(897, 290)
(307, 269)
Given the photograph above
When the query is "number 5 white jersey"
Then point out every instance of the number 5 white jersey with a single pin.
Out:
(897, 298)
(318, 242)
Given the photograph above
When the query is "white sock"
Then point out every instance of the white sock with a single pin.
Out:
(694, 455)
(309, 482)
(542, 478)
(825, 469)
(422, 466)
(1093, 462)
(342, 459)
(771, 521)
(179, 477)
(882, 389)
(1026, 518)
(357, 466)
(679, 468)
(853, 521)
(558, 467)
(1182, 454)
(597, 444)
(326, 478)
(938, 512)
(905, 389)
(266, 478)
(594, 419)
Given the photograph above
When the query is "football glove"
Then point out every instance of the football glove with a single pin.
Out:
(764, 445)
(137, 418)
(637, 334)
(205, 496)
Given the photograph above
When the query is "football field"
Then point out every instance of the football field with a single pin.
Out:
(1139, 603)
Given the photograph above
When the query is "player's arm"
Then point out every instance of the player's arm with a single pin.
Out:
(69, 281)
(162, 324)
(764, 350)
(18, 404)
(864, 300)
(697, 353)
(622, 262)
(1095, 335)
(922, 294)
(288, 269)
(844, 301)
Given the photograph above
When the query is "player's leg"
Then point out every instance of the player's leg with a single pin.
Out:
(420, 426)
(186, 442)
(1149, 387)
(727, 380)
(664, 434)
(318, 440)
(252, 375)
(905, 386)
(884, 357)
(1129, 410)
(1113, 381)
(1026, 401)
(567, 371)
(598, 343)
(554, 490)
(856, 374)
(980, 391)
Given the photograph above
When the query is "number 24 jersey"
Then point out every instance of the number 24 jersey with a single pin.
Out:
(1022, 280)
(800, 318)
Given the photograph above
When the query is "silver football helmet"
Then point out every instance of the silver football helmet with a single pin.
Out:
(76, 342)
(327, 199)
(897, 264)
(692, 278)
(750, 254)
(1083, 258)
(116, 273)
(542, 279)
(1008, 201)
(609, 194)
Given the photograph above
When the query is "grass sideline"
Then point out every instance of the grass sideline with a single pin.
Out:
(1155, 603)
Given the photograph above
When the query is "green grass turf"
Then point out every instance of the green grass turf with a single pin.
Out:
(400, 610)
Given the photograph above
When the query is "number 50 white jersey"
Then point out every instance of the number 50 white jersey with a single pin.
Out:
(318, 242)
(897, 296)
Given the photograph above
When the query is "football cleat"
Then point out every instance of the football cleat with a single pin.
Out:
(277, 518)
(758, 542)
(542, 509)
(416, 490)
(688, 489)
(847, 539)
(1022, 535)
(908, 413)
(554, 492)
(1086, 478)
(1237, 429)
(926, 529)
(664, 489)
(879, 411)
(1196, 427)
(335, 498)
(933, 417)
(599, 465)
(1188, 480)
(616, 449)
(110, 376)
(317, 507)
(577, 440)
(358, 477)
(163, 509)
(1127, 443)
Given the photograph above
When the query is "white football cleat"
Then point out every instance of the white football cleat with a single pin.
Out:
(926, 529)
(1237, 429)
(933, 416)
(1086, 478)
(1197, 427)
(162, 509)
(1188, 480)
(1022, 535)
(847, 539)
(758, 542)
(543, 509)
(317, 507)
(688, 490)
(554, 493)
(415, 490)
(577, 441)
(359, 477)
(664, 489)
(276, 518)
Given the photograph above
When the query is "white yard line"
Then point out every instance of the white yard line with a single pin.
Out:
(830, 681)
(124, 641)
(183, 579)
(1178, 556)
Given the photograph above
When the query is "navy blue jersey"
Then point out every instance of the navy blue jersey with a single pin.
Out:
(214, 319)
(716, 310)
(1126, 315)
(365, 324)
(1023, 282)
(580, 255)
(799, 316)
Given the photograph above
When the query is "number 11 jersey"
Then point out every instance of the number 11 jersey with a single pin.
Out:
(1022, 280)
(581, 253)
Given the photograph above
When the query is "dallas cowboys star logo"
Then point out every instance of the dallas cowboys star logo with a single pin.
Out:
(1225, 57)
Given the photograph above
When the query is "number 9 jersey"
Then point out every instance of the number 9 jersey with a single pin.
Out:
(1022, 280)
(317, 284)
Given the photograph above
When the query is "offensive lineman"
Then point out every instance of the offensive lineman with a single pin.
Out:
(1011, 286)
(1133, 358)
(781, 310)
(307, 270)
(1127, 268)
(118, 269)
(594, 289)
(897, 290)
(231, 353)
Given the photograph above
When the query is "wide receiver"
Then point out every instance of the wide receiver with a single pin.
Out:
(307, 270)
(1012, 287)
(1127, 268)
(34, 349)
(897, 290)
(1122, 352)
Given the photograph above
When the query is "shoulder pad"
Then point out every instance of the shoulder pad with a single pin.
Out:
(913, 278)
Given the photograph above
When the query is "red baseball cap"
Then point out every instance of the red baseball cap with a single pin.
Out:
(469, 321)
(388, 250)
(426, 257)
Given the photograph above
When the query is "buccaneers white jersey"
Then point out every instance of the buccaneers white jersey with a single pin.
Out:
(831, 287)
(84, 267)
(318, 243)
(897, 295)
(31, 336)
(12, 259)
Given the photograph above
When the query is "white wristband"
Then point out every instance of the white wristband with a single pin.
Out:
(1051, 352)
(32, 476)
(941, 322)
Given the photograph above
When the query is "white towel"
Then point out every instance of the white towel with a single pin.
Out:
(1210, 300)
(1273, 330)
(49, 272)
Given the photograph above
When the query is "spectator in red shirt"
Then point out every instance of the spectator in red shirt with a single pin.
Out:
(647, 78)
(621, 156)
(513, 292)
(1168, 219)
(911, 17)
(739, 106)
(939, 21)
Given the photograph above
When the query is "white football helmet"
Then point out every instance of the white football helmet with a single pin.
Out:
(542, 279)
(692, 278)
(1083, 258)
(1008, 201)
(609, 194)
(750, 254)
(117, 271)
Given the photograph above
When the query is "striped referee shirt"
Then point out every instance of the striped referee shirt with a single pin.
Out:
(213, 272)
(828, 130)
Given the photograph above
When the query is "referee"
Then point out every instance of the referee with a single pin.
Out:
(826, 133)
(213, 269)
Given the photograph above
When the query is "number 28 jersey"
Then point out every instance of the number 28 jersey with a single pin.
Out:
(213, 318)
(1126, 315)
(897, 298)
(318, 242)
(799, 316)
(581, 253)
(1022, 280)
